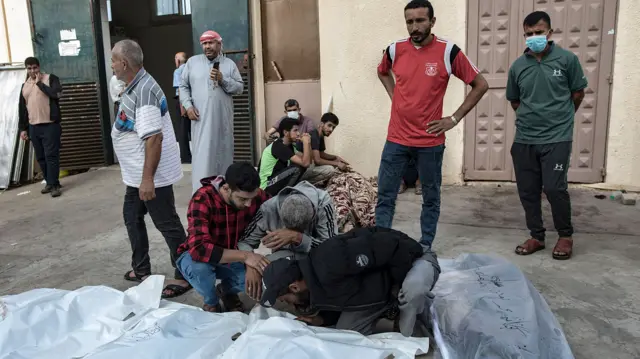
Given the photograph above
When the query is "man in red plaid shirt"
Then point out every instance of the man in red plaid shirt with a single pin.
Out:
(218, 214)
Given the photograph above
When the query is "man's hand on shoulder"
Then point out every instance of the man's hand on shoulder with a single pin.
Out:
(256, 261)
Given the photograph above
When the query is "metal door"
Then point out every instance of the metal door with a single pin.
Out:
(58, 27)
(230, 18)
(582, 26)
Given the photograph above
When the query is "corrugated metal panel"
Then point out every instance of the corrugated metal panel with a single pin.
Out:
(242, 124)
(82, 145)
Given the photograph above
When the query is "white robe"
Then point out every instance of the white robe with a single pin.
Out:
(212, 134)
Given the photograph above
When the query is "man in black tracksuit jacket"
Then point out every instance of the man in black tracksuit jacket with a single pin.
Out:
(350, 280)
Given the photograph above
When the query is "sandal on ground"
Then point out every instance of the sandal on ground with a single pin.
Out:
(138, 277)
(403, 188)
(230, 302)
(563, 249)
(530, 246)
(177, 290)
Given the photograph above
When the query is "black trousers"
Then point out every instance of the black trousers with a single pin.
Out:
(162, 210)
(289, 176)
(184, 135)
(46, 143)
(544, 168)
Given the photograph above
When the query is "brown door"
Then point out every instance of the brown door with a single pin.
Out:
(582, 26)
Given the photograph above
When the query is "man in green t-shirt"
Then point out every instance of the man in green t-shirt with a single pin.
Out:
(281, 165)
(545, 87)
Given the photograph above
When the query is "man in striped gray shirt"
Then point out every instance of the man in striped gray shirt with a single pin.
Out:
(145, 144)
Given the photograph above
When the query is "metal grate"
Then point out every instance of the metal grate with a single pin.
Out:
(82, 145)
(242, 125)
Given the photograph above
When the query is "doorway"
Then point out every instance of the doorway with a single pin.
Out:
(162, 28)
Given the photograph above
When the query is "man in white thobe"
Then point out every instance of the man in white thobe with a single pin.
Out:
(208, 82)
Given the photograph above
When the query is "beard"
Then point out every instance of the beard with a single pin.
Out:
(418, 37)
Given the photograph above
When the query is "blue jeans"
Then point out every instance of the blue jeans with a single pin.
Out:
(202, 276)
(394, 162)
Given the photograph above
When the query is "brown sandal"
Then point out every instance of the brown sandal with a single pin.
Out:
(530, 246)
(563, 249)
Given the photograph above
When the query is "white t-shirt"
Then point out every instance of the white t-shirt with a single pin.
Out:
(143, 112)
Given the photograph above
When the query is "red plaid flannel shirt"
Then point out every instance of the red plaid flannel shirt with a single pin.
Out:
(214, 225)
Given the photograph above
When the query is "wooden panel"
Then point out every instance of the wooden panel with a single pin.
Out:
(290, 37)
(493, 37)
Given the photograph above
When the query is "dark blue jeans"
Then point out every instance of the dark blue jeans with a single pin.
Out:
(394, 162)
(203, 276)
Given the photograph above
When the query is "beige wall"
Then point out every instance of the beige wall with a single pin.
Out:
(352, 36)
(623, 150)
(18, 22)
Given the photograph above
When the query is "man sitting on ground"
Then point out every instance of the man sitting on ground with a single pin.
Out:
(218, 213)
(292, 110)
(324, 164)
(281, 165)
(290, 224)
(349, 281)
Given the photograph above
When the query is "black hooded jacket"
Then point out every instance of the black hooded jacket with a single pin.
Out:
(357, 270)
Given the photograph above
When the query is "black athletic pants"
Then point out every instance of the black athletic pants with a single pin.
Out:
(544, 168)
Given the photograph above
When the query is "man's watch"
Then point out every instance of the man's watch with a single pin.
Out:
(454, 119)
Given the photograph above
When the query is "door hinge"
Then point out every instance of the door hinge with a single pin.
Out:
(610, 79)
(603, 173)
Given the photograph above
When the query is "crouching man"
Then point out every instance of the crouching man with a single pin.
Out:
(218, 213)
(290, 224)
(350, 281)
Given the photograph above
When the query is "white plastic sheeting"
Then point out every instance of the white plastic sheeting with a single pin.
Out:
(11, 80)
(486, 308)
(101, 322)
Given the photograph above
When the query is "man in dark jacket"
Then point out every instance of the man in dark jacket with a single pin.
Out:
(39, 121)
(350, 280)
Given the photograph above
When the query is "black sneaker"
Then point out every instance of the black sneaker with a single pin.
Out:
(46, 189)
(55, 191)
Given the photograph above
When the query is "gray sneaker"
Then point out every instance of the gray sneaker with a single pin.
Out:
(55, 191)
(46, 189)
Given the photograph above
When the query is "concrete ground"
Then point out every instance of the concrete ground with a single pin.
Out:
(79, 239)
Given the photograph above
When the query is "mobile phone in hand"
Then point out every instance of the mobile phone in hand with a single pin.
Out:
(216, 65)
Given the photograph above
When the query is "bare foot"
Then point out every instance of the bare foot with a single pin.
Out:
(211, 308)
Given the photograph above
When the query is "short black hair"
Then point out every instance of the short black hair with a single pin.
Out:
(535, 17)
(242, 176)
(286, 124)
(330, 117)
(290, 103)
(419, 4)
(30, 61)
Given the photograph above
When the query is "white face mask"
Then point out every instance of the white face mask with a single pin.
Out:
(293, 114)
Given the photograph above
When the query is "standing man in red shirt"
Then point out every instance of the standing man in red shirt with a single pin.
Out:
(422, 65)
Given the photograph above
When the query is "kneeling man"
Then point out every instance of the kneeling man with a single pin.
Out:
(218, 213)
(350, 280)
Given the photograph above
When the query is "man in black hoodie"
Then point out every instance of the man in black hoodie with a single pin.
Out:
(351, 280)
